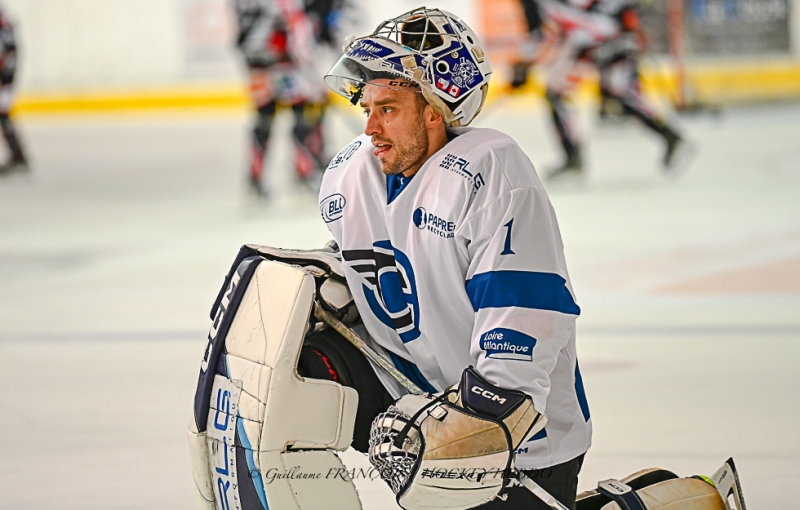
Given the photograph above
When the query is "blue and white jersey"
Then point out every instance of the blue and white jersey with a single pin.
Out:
(461, 265)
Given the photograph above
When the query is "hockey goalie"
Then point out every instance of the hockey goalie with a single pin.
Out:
(436, 334)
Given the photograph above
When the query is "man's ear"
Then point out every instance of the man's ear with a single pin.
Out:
(432, 117)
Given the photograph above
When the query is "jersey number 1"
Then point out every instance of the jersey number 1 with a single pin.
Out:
(507, 247)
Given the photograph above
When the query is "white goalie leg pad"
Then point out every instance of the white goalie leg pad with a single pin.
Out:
(270, 433)
(201, 473)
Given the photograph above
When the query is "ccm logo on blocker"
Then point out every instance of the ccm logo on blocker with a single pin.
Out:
(488, 394)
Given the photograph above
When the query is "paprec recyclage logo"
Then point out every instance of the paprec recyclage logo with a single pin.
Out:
(434, 224)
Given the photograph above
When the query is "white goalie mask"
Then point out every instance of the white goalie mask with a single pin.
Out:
(430, 47)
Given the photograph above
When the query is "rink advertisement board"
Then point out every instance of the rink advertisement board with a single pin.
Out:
(723, 27)
(711, 27)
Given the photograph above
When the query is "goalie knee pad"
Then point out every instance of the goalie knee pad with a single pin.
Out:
(262, 436)
(659, 489)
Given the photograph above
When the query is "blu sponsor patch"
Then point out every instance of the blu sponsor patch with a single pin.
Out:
(501, 343)
(332, 207)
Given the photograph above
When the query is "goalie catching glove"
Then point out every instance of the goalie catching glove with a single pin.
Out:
(453, 450)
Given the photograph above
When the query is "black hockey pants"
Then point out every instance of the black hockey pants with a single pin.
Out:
(561, 481)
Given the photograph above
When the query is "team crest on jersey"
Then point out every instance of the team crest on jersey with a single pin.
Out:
(389, 286)
(332, 207)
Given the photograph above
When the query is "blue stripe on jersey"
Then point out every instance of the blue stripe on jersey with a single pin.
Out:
(395, 183)
(521, 289)
(581, 393)
(411, 371)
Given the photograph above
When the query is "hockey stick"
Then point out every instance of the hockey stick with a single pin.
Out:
(539, 492)
(373, 356)
(376, 358)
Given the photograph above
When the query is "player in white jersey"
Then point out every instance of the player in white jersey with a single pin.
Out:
(450, 245)
(568, 36)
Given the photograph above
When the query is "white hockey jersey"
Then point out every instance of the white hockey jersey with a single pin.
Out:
(461, 265)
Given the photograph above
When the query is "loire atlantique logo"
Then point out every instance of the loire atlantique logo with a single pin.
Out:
(502, 343)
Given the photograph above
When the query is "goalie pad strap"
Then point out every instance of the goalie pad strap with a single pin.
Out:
(324, 264)
(326, 260)
(680, 493)
(622, 494)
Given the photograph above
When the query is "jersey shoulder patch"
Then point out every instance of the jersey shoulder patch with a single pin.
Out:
(354, 166)
(510, 163)
(342, 158)
(492, 160)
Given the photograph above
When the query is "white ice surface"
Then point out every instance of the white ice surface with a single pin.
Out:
(112, 251)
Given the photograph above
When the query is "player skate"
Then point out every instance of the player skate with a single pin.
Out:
(654, 489)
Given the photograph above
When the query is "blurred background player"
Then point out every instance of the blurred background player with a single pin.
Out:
(568, 36)
(8, 66)
(278, 39)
